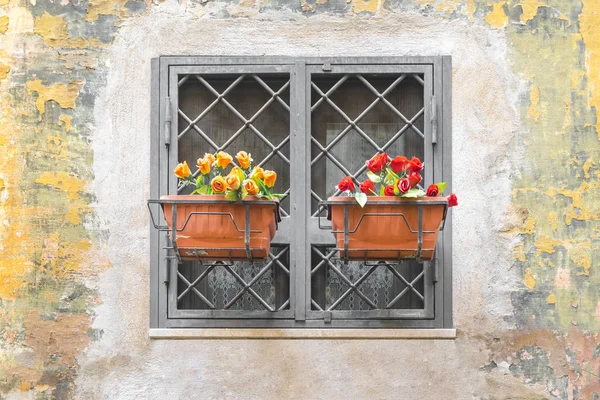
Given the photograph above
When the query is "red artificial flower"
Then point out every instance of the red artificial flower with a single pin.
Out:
(433, 191)
(389, 190)
(367, 187)
(414, 178)
(415, 165)
(399, 164)
(346, 184)
(377, 163)
(452, 200)
(403, 185)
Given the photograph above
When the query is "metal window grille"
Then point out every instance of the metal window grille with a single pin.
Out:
(314, 120)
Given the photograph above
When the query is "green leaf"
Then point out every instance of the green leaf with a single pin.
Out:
(390, 177)
(231, 196)
(441, 187)
(195, 191)
(382, 190)
(243, 193)
(279, 196)
(413, 193)
(396, 190)
(199, 181)
(361, 198)
(373, 177)
(203, 189)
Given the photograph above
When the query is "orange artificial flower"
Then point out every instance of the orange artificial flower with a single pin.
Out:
(257, 173)
(244, 159)
(182, 170)
(210, 158)
(233, 182)
(223, 159)
(218, 184)
(270, 177)
(251, 187)
(203, 165)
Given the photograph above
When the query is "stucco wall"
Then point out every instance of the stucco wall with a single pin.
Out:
(74, 132)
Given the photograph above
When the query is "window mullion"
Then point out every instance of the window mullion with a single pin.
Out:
(299, 182)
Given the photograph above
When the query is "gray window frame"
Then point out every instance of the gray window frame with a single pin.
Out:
(438, 126)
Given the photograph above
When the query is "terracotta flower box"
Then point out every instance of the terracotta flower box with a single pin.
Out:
(386, 228)
(212, 228)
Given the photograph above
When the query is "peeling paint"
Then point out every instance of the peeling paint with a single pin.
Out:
(64, 94)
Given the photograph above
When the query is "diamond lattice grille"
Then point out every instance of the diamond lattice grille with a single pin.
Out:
(233, 113)
(236, 112)
(355, 117)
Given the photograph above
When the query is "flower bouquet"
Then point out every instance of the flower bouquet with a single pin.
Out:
(228, 215)
(390, 217)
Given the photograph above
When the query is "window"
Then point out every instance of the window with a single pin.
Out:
(314, 120)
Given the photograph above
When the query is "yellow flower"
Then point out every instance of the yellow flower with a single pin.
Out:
(210, 158)
(251, 187)
(244, 159)
(232, 181)
(203, 165)
(223, 159)
(237, 171)
(182, 170)
(270, 177)
(257, 173)
(218, 184)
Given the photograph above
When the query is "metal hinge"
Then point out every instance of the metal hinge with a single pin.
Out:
(327, 317)
(433, 121)
(168, 119)
(327, 67)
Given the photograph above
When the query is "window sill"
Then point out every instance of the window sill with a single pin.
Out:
(215, 333)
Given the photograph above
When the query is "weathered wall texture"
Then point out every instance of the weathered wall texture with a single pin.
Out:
(74, 132)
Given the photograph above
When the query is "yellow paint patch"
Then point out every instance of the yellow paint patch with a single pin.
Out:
(497, 18)
(546, 244)
(64, 95)
(586, 167)
(529, 8)
(53, 29)
(589, 21)
(529, 280)
(67, 121)
(4, 70)
(63, 181)
(3, 24)
(551, 299)
(581, 255)
(534, 98)
(73, 216)
(105, 7)
(519, 252)
(370, 6)
(4, 2)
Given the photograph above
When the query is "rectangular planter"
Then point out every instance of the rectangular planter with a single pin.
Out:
(387, 228)
(213, 228)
